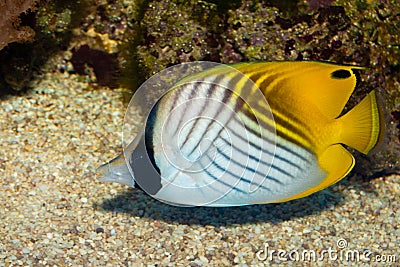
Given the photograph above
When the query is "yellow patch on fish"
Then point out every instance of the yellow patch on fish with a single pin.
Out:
(316, 94)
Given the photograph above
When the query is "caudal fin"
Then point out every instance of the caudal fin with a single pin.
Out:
(363, 125)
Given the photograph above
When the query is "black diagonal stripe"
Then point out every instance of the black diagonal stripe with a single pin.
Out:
(184, 87)
(265, 163)
(290, 115)
(264, 85)
(248, 168)
(259, 160)
(265, 139)
(178, 95)
(304, 133)
(227, 95)
(242, 107)
(285, 111)
(255, 76)
(233, 174)
(222, 182)
(249, 113)
(283, 79)
(271, 129)
(278, 121)
(292, 140)
(269, 141)
(211, 90)
(196, 121)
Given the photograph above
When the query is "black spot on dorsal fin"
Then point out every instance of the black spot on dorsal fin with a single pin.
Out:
(341, 74)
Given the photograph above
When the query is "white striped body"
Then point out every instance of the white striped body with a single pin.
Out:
(233, 159)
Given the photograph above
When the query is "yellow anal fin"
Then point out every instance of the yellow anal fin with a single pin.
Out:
(362, 126)
(337, 162)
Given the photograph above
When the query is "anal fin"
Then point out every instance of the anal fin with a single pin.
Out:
(337, 162)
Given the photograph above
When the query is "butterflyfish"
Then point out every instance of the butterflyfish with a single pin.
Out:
(249, 133)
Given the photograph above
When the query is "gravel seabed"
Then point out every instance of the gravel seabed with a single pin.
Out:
(55, 213)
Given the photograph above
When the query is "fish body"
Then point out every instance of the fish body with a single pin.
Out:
(250, 133)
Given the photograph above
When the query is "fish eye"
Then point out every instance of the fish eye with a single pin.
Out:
(341, 74)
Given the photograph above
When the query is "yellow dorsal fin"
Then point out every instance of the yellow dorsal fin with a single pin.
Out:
(337, 162)
(362, 126)
(327, 86)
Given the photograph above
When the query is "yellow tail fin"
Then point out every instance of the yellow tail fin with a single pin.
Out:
(362, 126)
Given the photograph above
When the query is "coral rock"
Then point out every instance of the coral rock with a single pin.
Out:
(11, 31)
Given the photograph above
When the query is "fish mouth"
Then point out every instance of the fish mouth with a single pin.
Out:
(116, 171)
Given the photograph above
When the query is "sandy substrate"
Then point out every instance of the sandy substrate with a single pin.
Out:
(55, 213)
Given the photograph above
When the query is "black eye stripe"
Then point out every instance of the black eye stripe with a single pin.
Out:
(341, 74)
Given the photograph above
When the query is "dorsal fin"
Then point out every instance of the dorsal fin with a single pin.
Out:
(326, 86)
